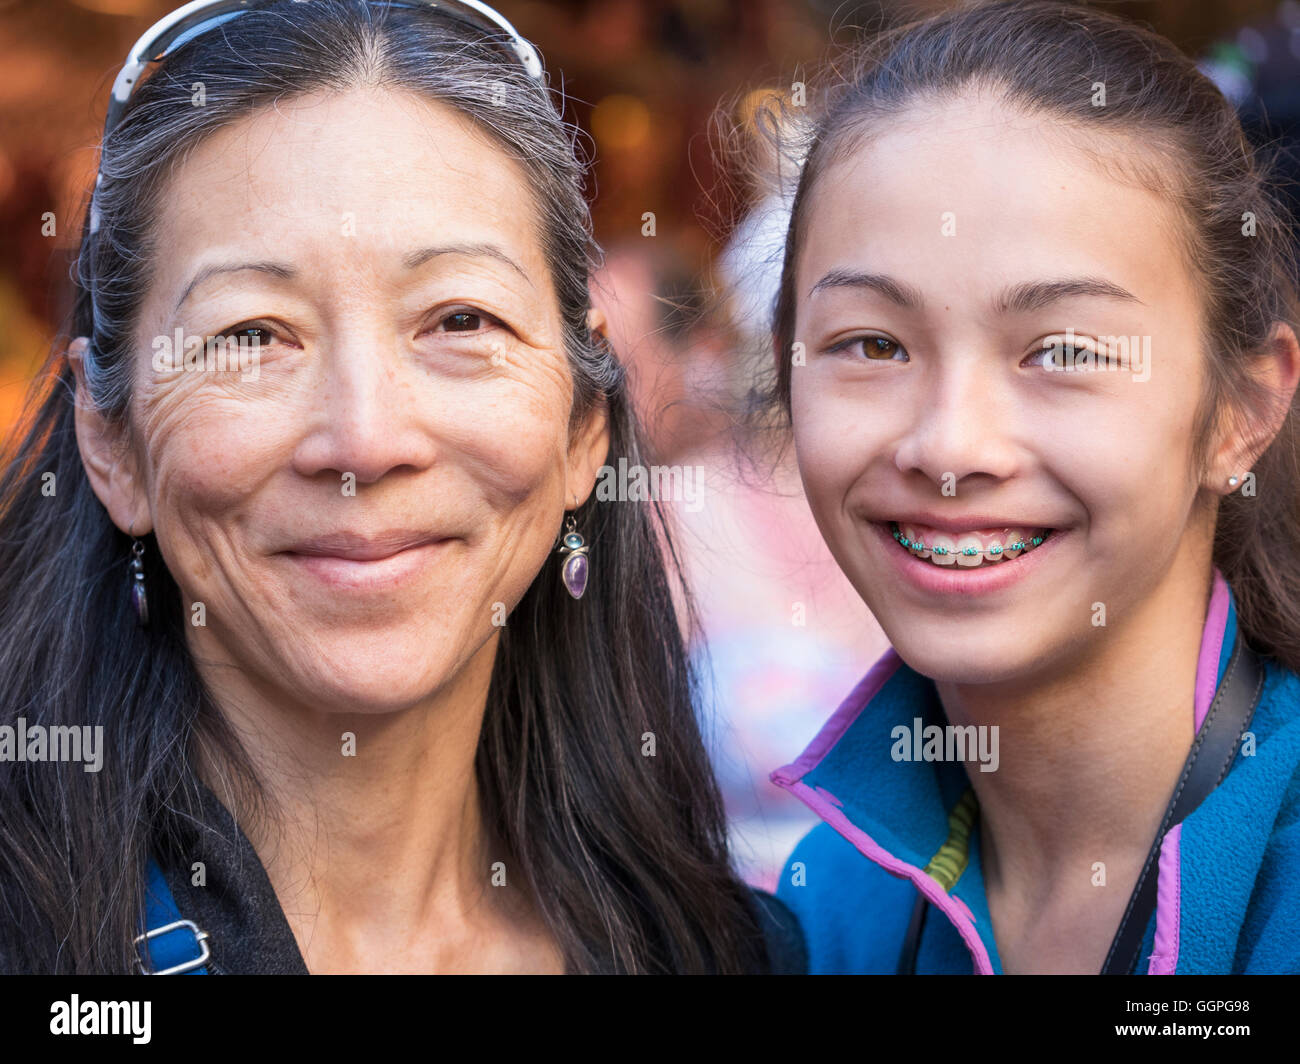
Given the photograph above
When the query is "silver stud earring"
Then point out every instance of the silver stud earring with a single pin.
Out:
(576, 567)
(139, 598)
(1232, 482)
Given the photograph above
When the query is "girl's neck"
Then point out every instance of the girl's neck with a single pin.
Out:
(1090, 751)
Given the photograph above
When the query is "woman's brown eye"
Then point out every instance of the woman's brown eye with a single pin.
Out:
(254, 334)
(463, 321)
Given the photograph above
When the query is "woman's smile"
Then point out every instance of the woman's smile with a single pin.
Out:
(350, 561)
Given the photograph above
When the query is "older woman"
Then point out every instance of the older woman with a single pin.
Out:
(283, 532)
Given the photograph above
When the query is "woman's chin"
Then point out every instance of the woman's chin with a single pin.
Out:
(371, 674)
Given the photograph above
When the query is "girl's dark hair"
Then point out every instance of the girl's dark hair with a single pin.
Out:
(1047, 59)
(624, 854)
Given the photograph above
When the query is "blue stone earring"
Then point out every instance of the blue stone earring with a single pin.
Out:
(139, 599)
(576, 567)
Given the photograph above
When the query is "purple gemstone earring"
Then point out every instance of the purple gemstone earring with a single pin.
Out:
(139, 599)
(576, 567)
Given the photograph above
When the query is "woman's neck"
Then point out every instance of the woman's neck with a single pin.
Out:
(375, 842)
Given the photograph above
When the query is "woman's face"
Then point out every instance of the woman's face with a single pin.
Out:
(359, 508)
(943, 396)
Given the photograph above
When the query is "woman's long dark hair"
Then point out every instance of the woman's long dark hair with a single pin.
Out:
(624, 854)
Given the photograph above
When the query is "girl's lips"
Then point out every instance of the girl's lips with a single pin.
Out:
(958, 582)
(343, 572)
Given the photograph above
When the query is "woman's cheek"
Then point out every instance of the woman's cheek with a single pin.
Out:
(514, 445)
(213, 455)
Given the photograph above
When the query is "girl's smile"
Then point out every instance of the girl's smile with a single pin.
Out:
(1011, 556)
(967, 547)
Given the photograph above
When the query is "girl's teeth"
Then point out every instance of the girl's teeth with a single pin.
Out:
(991, 547)
(965, 543)
(948, 544)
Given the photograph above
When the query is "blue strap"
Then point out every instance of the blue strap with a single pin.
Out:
(177, 947)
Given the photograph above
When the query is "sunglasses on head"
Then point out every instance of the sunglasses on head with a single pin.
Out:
(193, 19)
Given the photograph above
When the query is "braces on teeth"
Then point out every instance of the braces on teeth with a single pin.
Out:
(970, 552)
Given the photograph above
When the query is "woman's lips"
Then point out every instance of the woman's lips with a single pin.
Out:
(364, 563)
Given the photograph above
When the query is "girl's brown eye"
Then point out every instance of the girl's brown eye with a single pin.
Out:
(873, 348)
(878, 347)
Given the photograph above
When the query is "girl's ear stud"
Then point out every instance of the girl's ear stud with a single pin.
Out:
(1232, 482)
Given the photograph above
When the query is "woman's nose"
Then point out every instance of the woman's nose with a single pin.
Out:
(371, 414)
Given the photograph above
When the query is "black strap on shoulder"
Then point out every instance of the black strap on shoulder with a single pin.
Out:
(1208, 761)
(787, 950)
(912, 941)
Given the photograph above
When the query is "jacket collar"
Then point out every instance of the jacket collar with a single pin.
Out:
(235, 902)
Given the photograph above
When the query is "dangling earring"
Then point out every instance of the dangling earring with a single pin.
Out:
(139, 599)
(576, 567)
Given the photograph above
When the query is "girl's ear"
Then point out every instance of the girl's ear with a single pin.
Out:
(110, 463)
(1277, 368)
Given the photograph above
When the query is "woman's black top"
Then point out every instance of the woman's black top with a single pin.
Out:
(249, 934)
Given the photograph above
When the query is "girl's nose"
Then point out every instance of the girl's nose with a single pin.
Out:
(959, 427)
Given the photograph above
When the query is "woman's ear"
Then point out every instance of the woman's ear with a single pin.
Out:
(109, 461)
(589, 447)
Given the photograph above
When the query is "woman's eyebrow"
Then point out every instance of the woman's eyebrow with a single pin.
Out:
(1015, 299)
(276, 269)
(286, 272)
(490, 251)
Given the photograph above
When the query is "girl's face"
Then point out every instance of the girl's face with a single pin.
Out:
(358, 506)
(1000, 342)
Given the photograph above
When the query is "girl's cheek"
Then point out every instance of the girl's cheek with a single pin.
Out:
(836, 436)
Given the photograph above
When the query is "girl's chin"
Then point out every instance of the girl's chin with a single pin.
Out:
(963, 662)
(1027, 653)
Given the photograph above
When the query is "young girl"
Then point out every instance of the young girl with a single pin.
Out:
(1036, 348)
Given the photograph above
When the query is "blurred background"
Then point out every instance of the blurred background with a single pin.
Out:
(784, 636)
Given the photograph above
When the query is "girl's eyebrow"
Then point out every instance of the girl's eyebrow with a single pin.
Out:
(1034, 295)
(895, 291)
(286, 272)
(1015, 299)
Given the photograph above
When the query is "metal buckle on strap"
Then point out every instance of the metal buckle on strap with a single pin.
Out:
(179, 969)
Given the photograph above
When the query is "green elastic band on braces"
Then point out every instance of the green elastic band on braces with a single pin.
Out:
(970, 552)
